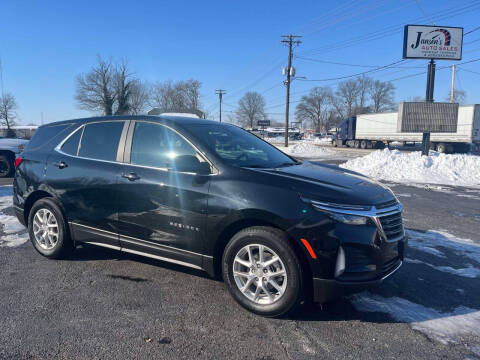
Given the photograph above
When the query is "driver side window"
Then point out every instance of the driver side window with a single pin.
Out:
(157, 146)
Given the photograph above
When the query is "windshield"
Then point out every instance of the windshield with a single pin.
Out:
(238, 147)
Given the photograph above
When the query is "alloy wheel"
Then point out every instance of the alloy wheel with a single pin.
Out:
(259, 274)
(45, 229)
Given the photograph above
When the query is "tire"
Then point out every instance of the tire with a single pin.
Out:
(275, 242)
(379, 145)
(441, 148)
(363, 144)
(6, 166)
(356, 144)
(51, 246)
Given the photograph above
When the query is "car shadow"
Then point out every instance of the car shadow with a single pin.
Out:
(430, 285)
(86, 252)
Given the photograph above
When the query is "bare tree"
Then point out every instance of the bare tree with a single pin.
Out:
(180, 96)
(8, 105)
(459, 96)
(315, 108)
(107, 88)
(347, 97)
(251, 108)
(138, 97)
(96, 89)
(382, 94)
(364, 84)
(122, 81)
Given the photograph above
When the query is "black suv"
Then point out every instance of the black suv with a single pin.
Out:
(213, 197)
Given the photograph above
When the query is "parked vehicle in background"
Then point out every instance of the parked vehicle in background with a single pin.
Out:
(213, 197)
(375, 130)
(20, 131)
(9, 148)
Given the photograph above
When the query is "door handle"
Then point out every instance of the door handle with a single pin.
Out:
(61, 165)
(131, 176)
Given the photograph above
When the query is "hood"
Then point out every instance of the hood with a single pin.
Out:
(333, 184)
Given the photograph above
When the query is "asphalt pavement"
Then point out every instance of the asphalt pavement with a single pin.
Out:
(102, 304)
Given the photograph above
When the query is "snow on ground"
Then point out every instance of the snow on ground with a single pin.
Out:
(433, 242)
(413, 168)
(469, 272)
(446, 327)
(306, 149)
(14, 232)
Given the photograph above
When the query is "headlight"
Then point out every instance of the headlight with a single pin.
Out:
(348, 219)
(344, 213)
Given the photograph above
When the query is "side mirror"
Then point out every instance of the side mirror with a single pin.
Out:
(190, 163)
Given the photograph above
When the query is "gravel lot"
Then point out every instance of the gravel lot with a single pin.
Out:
(105, 304)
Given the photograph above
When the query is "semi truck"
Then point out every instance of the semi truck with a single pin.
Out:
(378, 130)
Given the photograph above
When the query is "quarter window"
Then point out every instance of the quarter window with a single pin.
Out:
(71, 145)
(157, 146)
(100, 140)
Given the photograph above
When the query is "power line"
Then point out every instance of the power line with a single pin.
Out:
(392, 29)
(475, 29)
(357, 74)
(423, 12)
(470, 71)
(353, 65)
(439, 68)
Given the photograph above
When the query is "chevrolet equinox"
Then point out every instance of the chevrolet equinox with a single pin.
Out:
(210, 196)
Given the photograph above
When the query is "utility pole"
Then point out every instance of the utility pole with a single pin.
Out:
(220, 93)
(452, 91)
(290, 41)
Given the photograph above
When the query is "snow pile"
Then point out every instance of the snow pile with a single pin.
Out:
(412, 167)
(443, 327)
(13, 232)
(306, 149)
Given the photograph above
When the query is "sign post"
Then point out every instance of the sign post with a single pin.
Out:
(432, 42)
(429, 99)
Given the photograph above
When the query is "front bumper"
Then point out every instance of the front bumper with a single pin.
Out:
(325, 290)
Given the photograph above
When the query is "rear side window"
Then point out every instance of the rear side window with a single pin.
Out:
(100, 140)
(70, 146)
(46, 134)
(155, 145)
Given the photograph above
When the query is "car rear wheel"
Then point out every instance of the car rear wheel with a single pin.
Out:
(6, 166)
(48, 230)
(262, 271)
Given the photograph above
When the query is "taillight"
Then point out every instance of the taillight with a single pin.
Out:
(18, 161)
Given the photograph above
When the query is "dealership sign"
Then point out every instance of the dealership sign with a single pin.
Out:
(432, 42)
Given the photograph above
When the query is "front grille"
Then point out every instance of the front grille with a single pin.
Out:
(392, 225)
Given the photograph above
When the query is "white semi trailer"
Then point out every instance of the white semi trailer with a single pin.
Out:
(377, 130)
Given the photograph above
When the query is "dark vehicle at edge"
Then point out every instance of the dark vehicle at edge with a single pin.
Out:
(212, 197)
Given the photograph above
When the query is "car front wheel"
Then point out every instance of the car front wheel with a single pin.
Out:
(262, 271)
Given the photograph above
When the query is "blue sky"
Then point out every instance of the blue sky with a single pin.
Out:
(233, 45)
